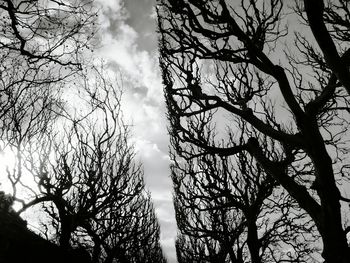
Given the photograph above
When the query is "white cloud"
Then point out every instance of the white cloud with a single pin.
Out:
(111, 4)
(143, 106)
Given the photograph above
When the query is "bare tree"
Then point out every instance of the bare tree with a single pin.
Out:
(41, 43)
(257, 62)
(47, 31)
(31, 114)
(73, 160)
(88, 183)
(229, 210)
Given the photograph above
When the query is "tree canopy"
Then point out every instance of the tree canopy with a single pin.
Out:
(267, 80)
(60, 119)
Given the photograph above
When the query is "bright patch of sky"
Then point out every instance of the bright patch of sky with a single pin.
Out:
(128, 43)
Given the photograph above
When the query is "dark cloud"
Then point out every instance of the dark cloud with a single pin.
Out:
(142, 91)
(113, 65)
(115, 17)
(138, 15)
(152, 102)
(141, 21)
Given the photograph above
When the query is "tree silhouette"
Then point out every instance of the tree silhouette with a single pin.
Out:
(230, 68)
(73, 161)
(41, 32)
(87, 181)
(41, 49)
(229, 210)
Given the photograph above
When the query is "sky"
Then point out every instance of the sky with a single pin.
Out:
(128, 43)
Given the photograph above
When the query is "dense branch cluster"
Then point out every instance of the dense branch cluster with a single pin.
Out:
(79, 169)
(47, 31)
(61, 121)
(41, 47)
(267, 80)
(88, 184)
(229, 210)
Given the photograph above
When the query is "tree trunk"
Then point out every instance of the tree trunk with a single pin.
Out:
(65, 235)
(66, 224)
(253, 241)
(335, 246)
(330, 227)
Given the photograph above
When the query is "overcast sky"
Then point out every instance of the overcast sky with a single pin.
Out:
(129, 44)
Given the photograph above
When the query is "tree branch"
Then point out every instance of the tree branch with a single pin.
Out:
(314, 11)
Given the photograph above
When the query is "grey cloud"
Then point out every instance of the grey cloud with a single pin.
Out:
(137, 14)
(140, 19)
(155, 163)
(141, 90)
